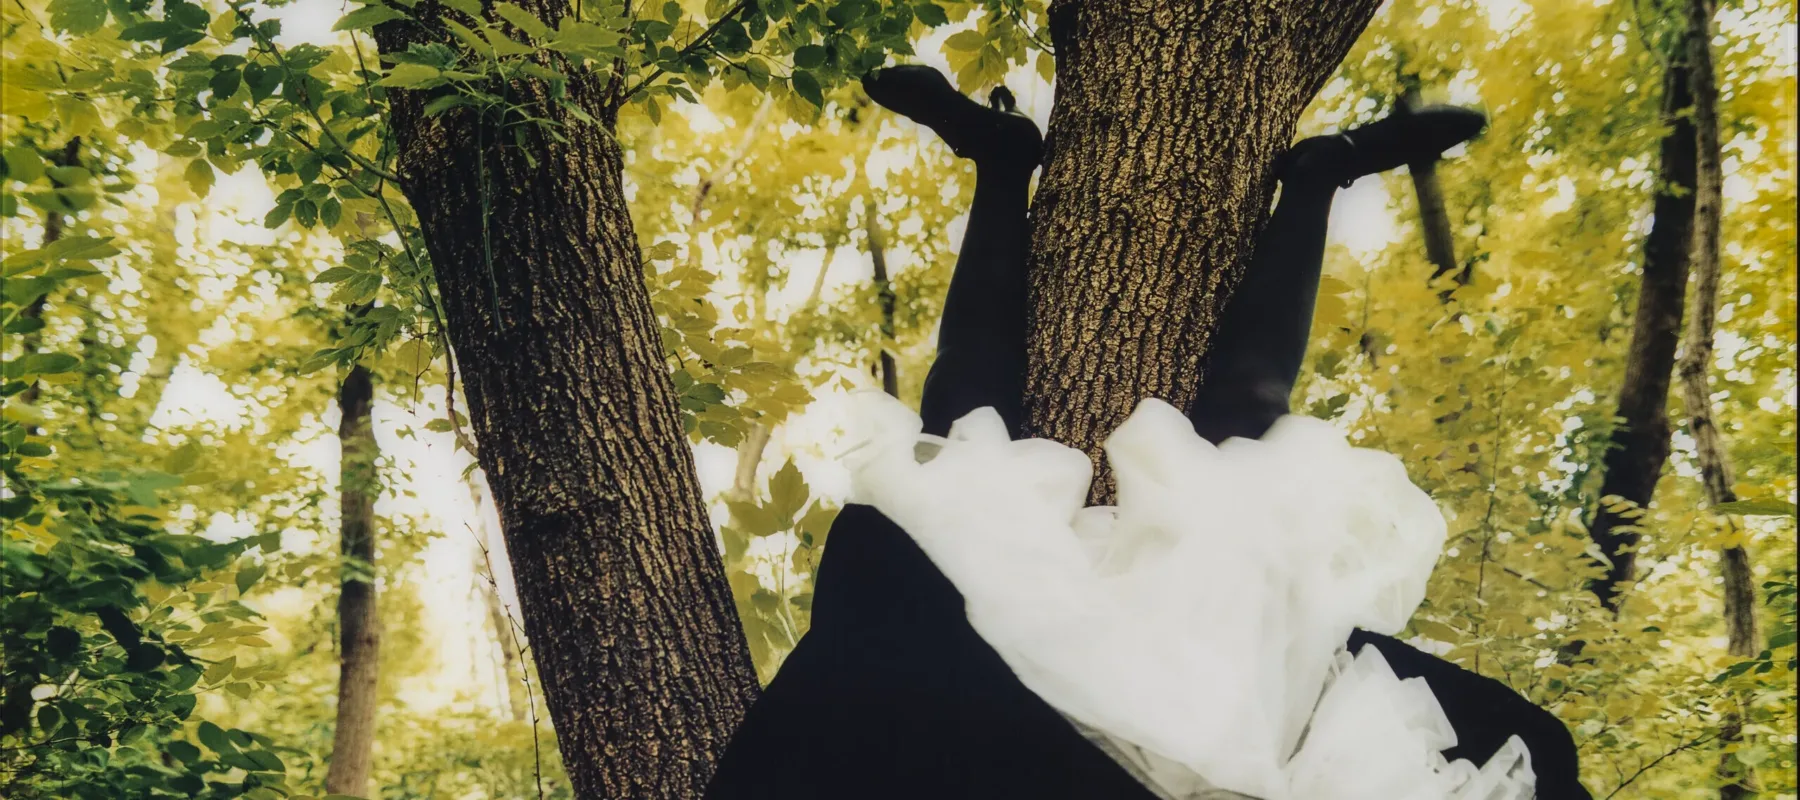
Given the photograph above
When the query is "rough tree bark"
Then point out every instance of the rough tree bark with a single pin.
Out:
(1157, 176)
(637, 643)
(1695, 367)
(359, 619)
(1639, 446)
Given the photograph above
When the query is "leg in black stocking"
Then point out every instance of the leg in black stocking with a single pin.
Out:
(892, 694)
(1261, 339)
(878, 575)
(981, 338)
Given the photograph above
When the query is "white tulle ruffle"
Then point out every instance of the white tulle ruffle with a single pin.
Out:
(1195, 631)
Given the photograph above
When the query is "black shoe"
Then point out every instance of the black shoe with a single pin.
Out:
(997, 135)
(1402, 138)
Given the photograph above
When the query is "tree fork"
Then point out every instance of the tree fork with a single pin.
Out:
(638, 645)
(1157, 177)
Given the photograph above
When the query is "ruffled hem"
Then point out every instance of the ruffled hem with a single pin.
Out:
(1195, 630)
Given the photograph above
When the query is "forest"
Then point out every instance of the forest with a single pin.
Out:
(444, 398)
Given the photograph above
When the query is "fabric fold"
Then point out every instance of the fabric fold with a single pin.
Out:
(1194, 631)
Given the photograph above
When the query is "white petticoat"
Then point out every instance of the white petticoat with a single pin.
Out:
(1195, 631)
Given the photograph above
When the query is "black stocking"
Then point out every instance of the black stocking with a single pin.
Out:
(1261, 338)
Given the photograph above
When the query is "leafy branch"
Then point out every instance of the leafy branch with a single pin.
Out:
(268, 45)
(691, 48)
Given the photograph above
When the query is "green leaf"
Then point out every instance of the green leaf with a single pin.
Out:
(263, 81)
(1780, 639)
(811, 56)
(788, 492)
(1757, 508)
(43, 364)
(504, 45)
(522, 19)
(931, 14)
(469, 7)
(367, 17)
(183, 458)
(199, 176)
(807, 87)
(1753, 755)
(48, 719)
(225, 83)
(220, 670)
(185, 751)
(967, 41)
(410, 76)
(278, 215)
(69, 249)
(187, 15)
(445, 103)
(78, 17)
(215, 739)
(247, 576)
(23, 164)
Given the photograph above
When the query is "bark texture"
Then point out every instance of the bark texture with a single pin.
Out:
(1697, 351)
(1157, 177)
(1639, 447)
(636, 640)
(359, 619)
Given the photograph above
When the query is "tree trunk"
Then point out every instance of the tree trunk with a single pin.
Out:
(636, 639)
(884, 364)
(359, 620)
(1695, 368)
(1157, 176)
(1640, 443)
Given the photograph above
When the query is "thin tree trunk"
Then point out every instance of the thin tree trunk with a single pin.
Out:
(634, 633)
(359, 619)
(885, 366)
(1640, 442)
(1695, 367)
(750, 454)
(1168, 116)
(703, 191)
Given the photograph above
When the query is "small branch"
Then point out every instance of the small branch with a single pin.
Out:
(688, 50)
(512, 633)
(1658, 760)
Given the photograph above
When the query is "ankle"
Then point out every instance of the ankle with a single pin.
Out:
(1316, 161)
